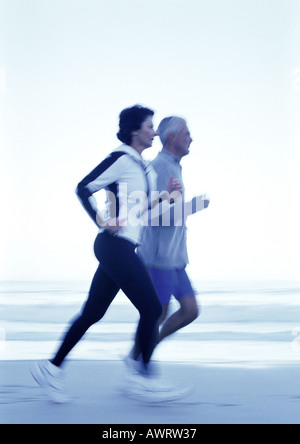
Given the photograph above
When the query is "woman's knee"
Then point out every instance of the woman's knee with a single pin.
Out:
(90, 318)
(157, 310)
(152, 312)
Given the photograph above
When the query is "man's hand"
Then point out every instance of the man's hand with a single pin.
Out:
(174, 185)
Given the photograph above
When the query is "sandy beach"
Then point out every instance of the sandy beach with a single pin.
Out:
(222, 395)
(242, 356)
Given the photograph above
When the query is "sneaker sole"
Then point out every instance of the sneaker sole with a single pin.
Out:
(38, 376)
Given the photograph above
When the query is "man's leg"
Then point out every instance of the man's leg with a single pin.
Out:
(186, 314)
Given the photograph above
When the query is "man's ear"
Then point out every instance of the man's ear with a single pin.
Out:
(170, 138)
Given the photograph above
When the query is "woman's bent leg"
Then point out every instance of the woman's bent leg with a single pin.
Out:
(101, 294)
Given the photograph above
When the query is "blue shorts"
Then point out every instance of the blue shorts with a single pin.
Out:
(171, 282)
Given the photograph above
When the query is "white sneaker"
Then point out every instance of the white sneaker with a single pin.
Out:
(150, 389)
(133, 366)
(51, 378)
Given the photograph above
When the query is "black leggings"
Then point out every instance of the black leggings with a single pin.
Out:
(120, 268)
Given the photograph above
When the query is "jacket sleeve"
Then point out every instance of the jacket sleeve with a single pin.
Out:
(105, 174)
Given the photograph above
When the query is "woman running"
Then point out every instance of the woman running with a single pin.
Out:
(123, 171)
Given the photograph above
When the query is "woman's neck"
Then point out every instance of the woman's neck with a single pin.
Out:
(137, 148)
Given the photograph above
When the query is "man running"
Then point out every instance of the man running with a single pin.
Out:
(164, 247)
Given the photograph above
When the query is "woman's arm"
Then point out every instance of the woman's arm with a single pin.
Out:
(105, 174)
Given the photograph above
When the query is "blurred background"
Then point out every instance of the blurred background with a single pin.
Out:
(231, 68)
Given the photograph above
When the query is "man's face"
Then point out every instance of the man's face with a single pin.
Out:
(182, 141)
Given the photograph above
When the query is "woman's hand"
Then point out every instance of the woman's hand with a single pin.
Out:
(112, 225)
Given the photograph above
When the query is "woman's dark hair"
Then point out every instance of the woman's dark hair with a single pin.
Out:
(131, 119)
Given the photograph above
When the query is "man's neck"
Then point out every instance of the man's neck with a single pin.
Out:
(171, 151)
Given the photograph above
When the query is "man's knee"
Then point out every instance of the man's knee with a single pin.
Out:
(190, 309)
(195, 312)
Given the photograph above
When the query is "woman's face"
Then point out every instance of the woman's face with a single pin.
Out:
(145, 135)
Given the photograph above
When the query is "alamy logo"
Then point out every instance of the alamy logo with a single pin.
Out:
(137, 209)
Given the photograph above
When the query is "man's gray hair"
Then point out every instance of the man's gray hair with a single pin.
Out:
(169, 125)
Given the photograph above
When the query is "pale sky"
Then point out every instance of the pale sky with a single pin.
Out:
(230, 67)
